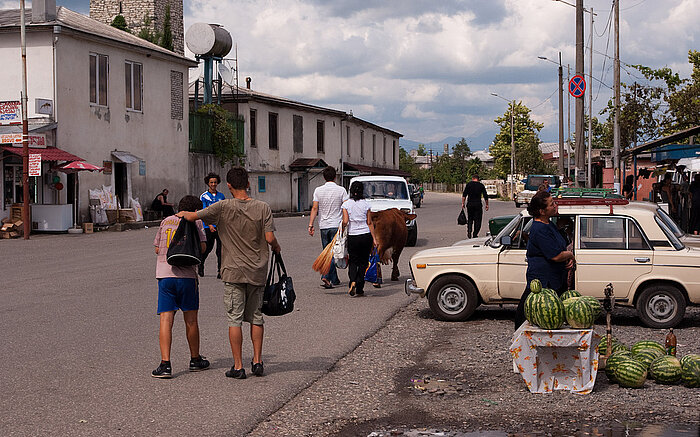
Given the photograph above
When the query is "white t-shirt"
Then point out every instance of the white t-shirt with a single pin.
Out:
(330, 196)
(357, 213)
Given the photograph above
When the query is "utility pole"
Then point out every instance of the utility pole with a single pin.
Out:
(25, 127)
(579, 148)
(512, 150)
(589, 184)
(561, 118)
(616, 131)
(568, 124)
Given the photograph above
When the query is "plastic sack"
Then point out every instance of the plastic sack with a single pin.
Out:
(340, 248)
(372, 273)
(138, 211)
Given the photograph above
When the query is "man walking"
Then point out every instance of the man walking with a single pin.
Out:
(246, 229)
(328, 199)
(208, 198)
(472, 194)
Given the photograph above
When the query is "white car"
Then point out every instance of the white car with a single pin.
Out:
(634, 246)
(386, 192)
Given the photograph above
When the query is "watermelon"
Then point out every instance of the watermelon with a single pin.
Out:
(666, 369)
(688, 358)
(550, 291)
(602, 346)
(569, 293)
(630, 373)
(612, 363)
(544, 310)
(619, 347)
(648, 344)
(535, 286)
(690, 373)
(579, 314)
(595, 305)
(646, 356)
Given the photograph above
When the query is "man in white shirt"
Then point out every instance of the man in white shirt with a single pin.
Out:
(328, 199)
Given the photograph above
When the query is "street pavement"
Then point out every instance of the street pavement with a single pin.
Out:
(81, 334)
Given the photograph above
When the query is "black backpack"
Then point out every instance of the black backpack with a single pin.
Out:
(185, 248)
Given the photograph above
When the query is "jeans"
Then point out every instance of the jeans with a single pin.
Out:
(474, 214)
(326, 237)
(212, 237)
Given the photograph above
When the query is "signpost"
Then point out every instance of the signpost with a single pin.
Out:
(577, 86)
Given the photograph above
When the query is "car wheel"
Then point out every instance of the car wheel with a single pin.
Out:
(453, 298)
(517, 204)
(412, 236)
(661, 306)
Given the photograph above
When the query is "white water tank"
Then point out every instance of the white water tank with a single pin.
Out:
(208, 40)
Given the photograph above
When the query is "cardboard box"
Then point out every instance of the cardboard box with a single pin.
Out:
(87, 228)
(126, 215)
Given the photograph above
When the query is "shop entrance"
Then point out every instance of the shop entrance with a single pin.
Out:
(302, 191)
(120, 183)
(12, 183)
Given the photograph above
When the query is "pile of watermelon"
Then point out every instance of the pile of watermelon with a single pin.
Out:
(544, 308)
(630, 367)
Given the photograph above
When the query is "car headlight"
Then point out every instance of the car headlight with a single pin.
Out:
(406, 210)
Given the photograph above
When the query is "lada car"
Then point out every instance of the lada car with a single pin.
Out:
(632, 245)
(386, 192)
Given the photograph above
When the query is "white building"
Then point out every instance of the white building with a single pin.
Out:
(97, 94)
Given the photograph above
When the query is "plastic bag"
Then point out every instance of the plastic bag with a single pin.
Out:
(340, 248)
(138, 212)
(372, 273)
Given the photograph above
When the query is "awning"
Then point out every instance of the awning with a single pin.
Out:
(47, 154)
(125, 157)
(301, 164)
(695, 130)
(375, 170)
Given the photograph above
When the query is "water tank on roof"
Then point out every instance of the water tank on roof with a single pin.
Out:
(208, 40)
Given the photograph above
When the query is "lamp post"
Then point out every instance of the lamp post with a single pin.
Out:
(512, 143)
(560, 166)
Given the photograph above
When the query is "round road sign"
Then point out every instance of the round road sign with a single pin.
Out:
(577, 86)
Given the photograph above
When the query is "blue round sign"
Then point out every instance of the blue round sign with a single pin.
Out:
(577, 86)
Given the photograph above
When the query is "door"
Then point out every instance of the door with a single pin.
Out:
(512, 262)
(303, 192)
(610, 249)
(120, 183)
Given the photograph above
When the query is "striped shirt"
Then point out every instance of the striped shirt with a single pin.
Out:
(330, 196)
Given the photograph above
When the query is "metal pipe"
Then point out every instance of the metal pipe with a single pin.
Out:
(25, 126)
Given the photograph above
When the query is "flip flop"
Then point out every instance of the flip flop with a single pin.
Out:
(326, 284)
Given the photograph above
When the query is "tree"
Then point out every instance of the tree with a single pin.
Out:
(528, 157)
(120, 23)
(224, 136)
(421, 150)
(167, 39)
(460, 156)
(146, 32)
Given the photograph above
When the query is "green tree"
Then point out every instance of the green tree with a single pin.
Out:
(421, 150)
(146, 32)
(528, 157)
(225, 138)
(120, 23)
(167, 39)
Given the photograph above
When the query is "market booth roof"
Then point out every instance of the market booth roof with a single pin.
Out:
(47, 153)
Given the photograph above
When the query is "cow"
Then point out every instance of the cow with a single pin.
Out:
(391, 233)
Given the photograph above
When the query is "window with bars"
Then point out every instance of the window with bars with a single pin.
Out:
(99, 71)
(134, 85)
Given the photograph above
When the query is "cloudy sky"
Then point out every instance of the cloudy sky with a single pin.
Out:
(427, 68)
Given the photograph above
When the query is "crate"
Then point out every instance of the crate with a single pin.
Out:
(16, 212)
(88, 228)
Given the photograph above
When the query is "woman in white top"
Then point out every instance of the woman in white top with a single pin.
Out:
(360, 237)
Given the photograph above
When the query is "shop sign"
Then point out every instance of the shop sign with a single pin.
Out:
(10, 112)
(44, 106)
(34, 164)
(349, 173)
(37, 140)
(107, 167)
(142, 168)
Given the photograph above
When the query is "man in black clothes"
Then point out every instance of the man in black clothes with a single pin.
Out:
(472, 194)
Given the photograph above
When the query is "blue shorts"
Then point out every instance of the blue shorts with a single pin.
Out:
(177, 293)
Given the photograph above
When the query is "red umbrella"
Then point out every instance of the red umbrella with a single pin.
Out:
(74, 167)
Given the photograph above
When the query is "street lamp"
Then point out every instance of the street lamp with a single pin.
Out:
(561, 113)
(512, 144)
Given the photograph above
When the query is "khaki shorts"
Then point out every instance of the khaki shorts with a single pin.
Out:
(243, 303)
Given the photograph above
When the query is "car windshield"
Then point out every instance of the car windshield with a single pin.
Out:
(668, 221)
(677, 244)
(385, 190)
(507, 230)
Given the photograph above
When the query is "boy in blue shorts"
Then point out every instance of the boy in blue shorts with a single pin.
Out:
(178, 288)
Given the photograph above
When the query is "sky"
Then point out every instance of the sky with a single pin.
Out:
(427, 68)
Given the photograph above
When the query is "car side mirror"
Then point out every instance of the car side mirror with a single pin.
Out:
(506, 240)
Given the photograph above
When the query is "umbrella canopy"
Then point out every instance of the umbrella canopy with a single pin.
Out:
(76, 166)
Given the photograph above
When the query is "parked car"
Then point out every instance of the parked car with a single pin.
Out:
(386, 192)
(632, 245)
(415, 195)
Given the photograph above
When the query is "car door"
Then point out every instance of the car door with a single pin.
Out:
(610, 249)
(512, 262)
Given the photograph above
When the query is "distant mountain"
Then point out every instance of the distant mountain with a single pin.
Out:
(480, 142)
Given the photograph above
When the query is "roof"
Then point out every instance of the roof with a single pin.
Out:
(47, 154)
(10, 18)
(661, 141)
(304, 163)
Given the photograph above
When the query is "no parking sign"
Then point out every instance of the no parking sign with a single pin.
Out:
(577, 86)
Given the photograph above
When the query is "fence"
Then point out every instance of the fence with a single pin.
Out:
(202, 131)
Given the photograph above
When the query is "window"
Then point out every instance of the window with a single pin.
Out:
(362, 144)
(134, 85)
(374, 147)
(99, 69)
(347, 138)
(320, 136)
(393, 152)
(261, 184)
(272, 130)
(384, 149)
(253, 129)
(611, 233)
(298, 133)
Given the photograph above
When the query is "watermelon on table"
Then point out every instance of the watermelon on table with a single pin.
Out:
(648, 344)
(544, 310)
(579, 314)
(595, 305)
(666, 369)
(688, 358)
(569, 293)
(690, 373)
(630, 373)
(612, 363)
(647, 356)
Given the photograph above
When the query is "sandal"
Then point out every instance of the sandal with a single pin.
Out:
(326, 284)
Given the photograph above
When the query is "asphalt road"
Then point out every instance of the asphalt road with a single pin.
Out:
(80, 333)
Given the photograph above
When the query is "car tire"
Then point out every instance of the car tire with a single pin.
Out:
(453, 298)
(661, 306)
(412, 236)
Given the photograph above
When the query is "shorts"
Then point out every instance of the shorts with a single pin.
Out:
(243, 303)
(177, 293)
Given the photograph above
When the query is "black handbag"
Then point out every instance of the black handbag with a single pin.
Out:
(461, 218)
(279, 297)
(185, 249)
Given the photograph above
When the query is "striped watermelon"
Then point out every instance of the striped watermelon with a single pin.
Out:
(595, 305)
(620, 347)
(602, 346)
(544, 310)
(688, 358)
(569, 293)
(612, 363)
(648, 344)
(535, 286)
(646, 356)
(630, 373)
(690, 373)
(579, 314)
(666, 369)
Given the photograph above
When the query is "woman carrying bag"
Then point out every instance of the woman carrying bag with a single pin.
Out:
(356, 219)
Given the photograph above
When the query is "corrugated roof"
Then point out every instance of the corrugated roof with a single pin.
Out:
(47, 154)
(81, 23)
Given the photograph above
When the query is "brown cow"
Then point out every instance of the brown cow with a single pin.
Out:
(391, 232)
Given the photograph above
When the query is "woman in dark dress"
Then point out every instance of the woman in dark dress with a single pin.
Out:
(547, 257)
(160, 203)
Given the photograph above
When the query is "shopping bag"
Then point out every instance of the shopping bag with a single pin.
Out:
(279, 296)
(372, 274)
(340, 248)
(185, 248)
(462, 218)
